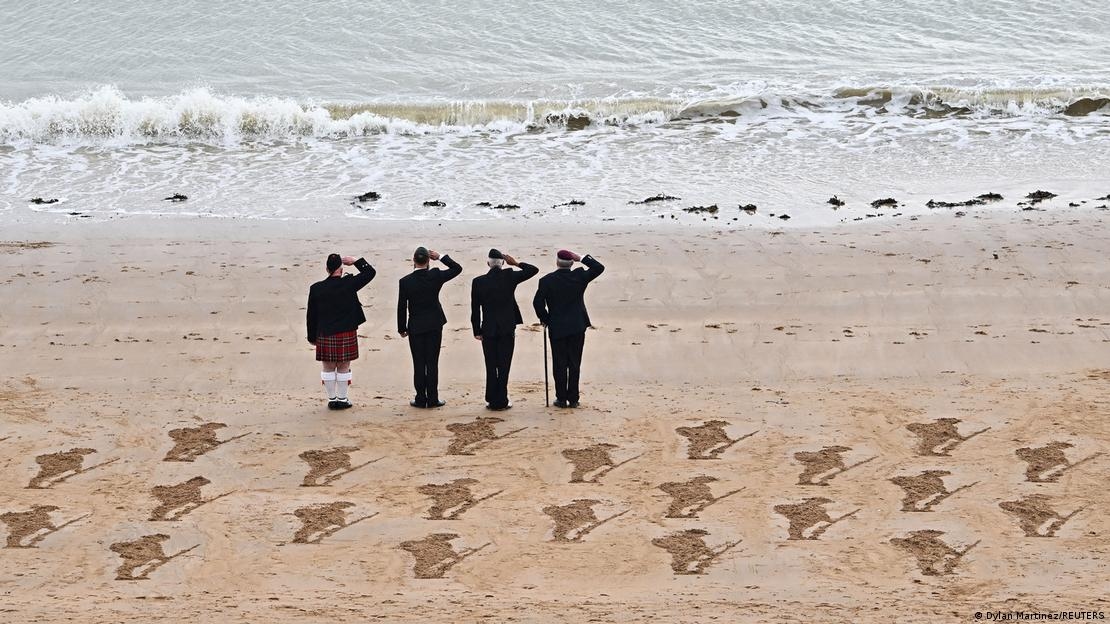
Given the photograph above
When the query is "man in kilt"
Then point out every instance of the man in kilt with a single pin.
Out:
(334, 314)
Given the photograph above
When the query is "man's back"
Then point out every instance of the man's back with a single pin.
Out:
(559, 300)
(494, 310)
(418, 298)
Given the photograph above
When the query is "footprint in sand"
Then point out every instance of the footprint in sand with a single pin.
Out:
(575, 520)
(934, 557)
(27, 528)
(452, 499)
(435, 555)
(145, 554)
(1035, 516)
(592, 459)
(809, 513)
(55, 468)
(192, 442)
(708, 440)
(689, 552)
(925, 490)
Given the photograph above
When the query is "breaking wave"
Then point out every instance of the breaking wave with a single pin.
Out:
(107, 116)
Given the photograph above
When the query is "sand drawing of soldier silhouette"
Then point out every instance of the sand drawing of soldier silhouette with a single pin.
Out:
(926, 490)
(473, 435)
(1046, 464)
(940, 437)
(144, 553)
(709, 439)
(1035, 516)
(54, 468)
(690, 497)
(577, 519)
(828, 461)
(27, 528)
(190, 443)
(593, 459)
(176, 501)
(323, 520)
(452, 499)
(435, 555)
(328, 465)
(689, 552)
(809, 513)
(934, 557)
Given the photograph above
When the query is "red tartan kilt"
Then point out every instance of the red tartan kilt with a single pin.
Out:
(341, 347)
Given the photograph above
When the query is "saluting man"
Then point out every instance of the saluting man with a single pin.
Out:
(334, 314)
(494, 315)
(420, 318)
(561, 308)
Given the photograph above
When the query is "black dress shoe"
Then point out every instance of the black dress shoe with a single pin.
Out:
(333, 404)
(415, 404)
(343, 404)
(573, 404)
(435, 404)
(560, 403)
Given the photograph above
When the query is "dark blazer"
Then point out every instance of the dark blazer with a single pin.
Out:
(559, 299)
(493, 308)
(333, 305)
(418, 307)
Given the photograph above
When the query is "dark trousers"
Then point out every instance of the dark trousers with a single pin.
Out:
(499, 357)
(425, 365)
(566, 357)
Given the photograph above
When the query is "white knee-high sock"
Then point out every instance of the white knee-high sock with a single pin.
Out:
(342, 380)
(328, 377)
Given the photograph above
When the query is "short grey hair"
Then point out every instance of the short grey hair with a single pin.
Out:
(495, 262)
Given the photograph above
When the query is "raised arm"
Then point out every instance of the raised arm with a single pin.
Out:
(526, 272)
(365, 273)
(594, 269)
(453, 268)
(539, 303)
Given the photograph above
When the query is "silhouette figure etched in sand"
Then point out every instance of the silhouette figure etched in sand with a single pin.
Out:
(828, 461)
(33, 525)
(1035, 516)
(925, 490)
(1046, 464)
(473, 435)
(435, 555)
(55, 468)
(323, 520)
(145, 552)
(708, 440)
(592, 459)
(452, 499)
(939, 437)
(328, 465)
(689, 552)
(810, 512)
(934, 557)
(575, 520)
(190, 443)
(176, 501)
(690, 497)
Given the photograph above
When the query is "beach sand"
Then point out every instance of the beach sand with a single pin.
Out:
(113, 334)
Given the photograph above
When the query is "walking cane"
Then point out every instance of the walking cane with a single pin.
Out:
(546, 389)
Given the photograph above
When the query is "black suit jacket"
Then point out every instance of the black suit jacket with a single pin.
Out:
(559, 299)
(418, 307)
(493, 308)
(333, 304)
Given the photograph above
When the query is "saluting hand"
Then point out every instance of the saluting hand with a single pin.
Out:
(511, 261)
(434, 255)
(348, 260)
(575, 257)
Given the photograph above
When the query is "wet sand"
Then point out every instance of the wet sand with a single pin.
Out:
(861, 338)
